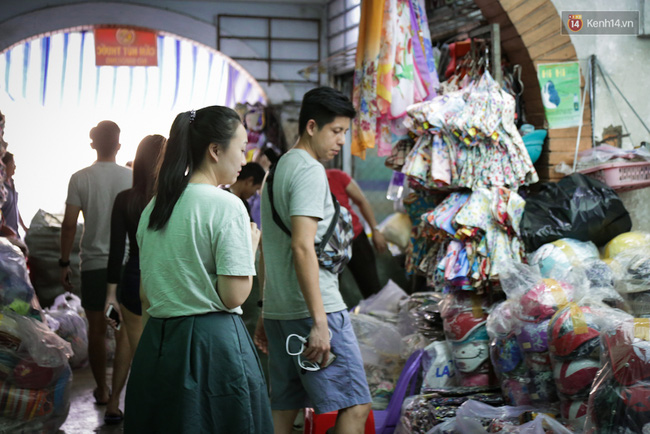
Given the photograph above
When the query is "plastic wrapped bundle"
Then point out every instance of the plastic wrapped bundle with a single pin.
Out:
(573, 333)
(639, 303)
(631, 270)
(544, 299)
(16, 291)
(559, 257)
(626, 241)
(475, 418)
(420, 313)
(68, 324)
(380, 345)
(464, 319)
(506, 356)
(385, 304)
(34, 376)
(438, 370)
(620, 396)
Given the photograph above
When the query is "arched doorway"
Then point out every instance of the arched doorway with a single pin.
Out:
(52, 93)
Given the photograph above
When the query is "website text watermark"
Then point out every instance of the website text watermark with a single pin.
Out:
(600, 22)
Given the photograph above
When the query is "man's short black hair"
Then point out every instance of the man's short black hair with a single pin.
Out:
(253, 170)
(322, 105)
(106, 137)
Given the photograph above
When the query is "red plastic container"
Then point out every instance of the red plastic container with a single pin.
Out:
(320, 423)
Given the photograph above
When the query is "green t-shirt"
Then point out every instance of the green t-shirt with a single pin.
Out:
(208, 234)
(300, 188)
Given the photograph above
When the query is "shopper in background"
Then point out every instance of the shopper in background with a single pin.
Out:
(248, 183)
(92, 191)
(10, 207)
(123, 289)
(195, 368)
(301, 298)
(363, 263)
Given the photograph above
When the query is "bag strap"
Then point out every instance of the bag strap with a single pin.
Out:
(331, 228)
(278, 221)
(276, 216)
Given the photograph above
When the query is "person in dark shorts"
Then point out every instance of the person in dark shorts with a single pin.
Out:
(92, 191)
(123, 289)
(196, 369)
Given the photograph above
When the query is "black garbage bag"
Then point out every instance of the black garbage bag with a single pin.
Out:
(577, 207)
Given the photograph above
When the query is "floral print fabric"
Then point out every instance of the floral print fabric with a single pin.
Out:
(394, 69)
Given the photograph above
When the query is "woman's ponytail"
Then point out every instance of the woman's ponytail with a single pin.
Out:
(175, 171)
(189, 138)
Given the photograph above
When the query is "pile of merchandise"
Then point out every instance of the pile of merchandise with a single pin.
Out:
(543, 301)
(35, 374)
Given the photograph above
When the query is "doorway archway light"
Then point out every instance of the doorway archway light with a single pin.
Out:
(59, 69)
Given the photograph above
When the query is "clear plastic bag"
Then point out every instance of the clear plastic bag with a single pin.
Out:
(34, 375)
(16, 291)
(72, 327)
(438, 370)
(385, 304)
(620, 397)
(474, 417)
(631, 268)
(559, 257)
(421, 313)
(380, 345)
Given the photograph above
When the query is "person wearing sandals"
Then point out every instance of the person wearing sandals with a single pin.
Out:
(92, 191)
(195, 368)
(123, 289)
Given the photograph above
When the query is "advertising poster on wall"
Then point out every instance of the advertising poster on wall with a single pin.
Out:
(560, 86)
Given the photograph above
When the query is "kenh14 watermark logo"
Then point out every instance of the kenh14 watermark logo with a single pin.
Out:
(600, 22)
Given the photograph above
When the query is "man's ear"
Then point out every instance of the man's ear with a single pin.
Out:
(119, 146)
(311, 127)
(92, 145)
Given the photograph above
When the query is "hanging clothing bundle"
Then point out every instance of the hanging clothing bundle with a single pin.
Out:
(394, 69)
(466, 238)
(467, 138)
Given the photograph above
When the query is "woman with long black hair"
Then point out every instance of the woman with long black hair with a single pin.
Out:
(195, 369)
(123, 289)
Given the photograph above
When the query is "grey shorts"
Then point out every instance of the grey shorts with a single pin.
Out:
(341, 385)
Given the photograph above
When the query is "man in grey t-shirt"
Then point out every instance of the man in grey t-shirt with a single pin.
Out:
(92, 191)
(301, 298)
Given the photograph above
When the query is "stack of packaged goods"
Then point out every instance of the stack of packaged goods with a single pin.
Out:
(506, 356)
(574, 339)
(619, 401)
(464, 317)
(34, 371)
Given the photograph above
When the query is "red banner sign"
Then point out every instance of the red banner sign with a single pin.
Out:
(125, 47)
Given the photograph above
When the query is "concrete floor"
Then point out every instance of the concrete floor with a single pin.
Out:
(84, 416)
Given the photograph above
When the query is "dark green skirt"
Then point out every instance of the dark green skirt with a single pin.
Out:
(197, 374)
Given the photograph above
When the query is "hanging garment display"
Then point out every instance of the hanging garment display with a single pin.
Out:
(394, 69)
(471, 139)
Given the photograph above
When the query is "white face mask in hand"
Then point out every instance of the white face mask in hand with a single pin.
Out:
(308, 365)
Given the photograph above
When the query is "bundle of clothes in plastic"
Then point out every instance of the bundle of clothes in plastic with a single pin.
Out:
(563, 348)
(35, 373)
